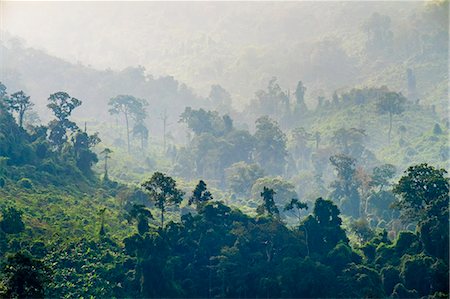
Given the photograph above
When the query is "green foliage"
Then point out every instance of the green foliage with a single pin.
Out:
(434, 233)
(349, 142)
(300, 97)
(25, 183)
(345, 188)
(270, 147)
(296, 205)
(360, 281)
(163, 192)
(62, 105)
(268, 206)
(215, 146)
(82, 146)
(437, 129)
(362, 230)
(106, 155)
(141, 131)
(391, 103)
(142, 215)
(241, 255)
(133, 108)
(410, 267)
(381, 175)
(390, 277)
(297, 284)
(407, 242)
(422, 188)
(242, 176)
(84, 268)
(271, 102)
(24, 277)
(200, 195)
(11, 222)
(342, 256)
(323, 228)
(201, 121)
(284, 190)
(401, 292)
(19, 102)
(220, 251)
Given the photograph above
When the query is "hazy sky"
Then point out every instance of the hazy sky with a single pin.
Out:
(119, 34)
(196, 42)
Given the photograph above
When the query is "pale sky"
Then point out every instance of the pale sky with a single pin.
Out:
(187, 40)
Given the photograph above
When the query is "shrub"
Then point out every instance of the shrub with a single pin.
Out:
(437, 129)
(41, 150)
(11, 222)
(49, 167)
(25, 183)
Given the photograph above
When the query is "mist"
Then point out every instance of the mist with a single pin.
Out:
(224, 149)
(205, 43)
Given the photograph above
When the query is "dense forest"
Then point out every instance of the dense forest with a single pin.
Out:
(329, 182)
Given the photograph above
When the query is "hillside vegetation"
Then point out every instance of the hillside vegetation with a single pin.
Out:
(331, 169)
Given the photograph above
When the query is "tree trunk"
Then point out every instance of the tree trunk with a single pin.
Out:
(162, 218)
(21, 118)
(106, 166)
(366, 208)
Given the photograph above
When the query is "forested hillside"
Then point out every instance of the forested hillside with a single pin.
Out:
(270, 163)
(66, 233)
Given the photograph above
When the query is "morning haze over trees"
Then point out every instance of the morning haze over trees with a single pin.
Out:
(224, 149)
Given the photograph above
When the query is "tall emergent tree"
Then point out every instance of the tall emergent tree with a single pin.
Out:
(19, 102)
(345, 188)
(101, 213)
(140, 130)
(295, 206)
(301, 151)
(268, 204)
(349, 142)
(421, 188)
(379, 34)
(201, 121)
(391, 103)
(300, 97)
(130, 107)
(106, 155)
(381, 175)
(163, 192)
(200, 195)
(62, 105)
(323, 227)
(424, 198)
(241, 176)
(82, 146)
(3, 97)
(2, 90)
(142, 215)
(271, 149)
